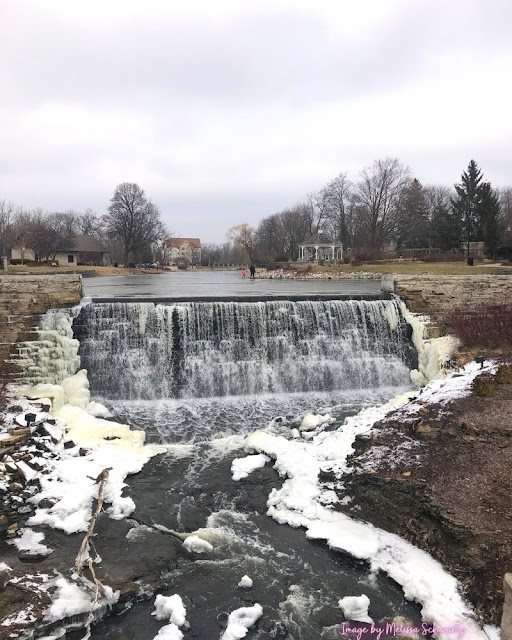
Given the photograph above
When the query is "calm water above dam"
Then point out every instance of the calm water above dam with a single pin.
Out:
(191, 284)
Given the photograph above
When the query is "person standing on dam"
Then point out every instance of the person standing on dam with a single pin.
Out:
(252, 269)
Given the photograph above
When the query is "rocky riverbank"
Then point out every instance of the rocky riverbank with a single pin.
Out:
(438, 474)
(306, 274)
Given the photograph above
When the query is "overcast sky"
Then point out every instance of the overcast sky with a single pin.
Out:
(226, 111)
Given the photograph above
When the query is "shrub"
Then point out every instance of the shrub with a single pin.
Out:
(483, 386)
(484, 325)
(504, 374)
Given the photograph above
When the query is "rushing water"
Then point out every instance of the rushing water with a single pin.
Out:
(204, 374)
(151, 351)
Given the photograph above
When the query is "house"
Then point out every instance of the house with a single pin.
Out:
(84, 250)
(320, 247)
(182, 249)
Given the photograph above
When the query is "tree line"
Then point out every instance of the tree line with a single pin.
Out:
(129, 231)
(385, 206)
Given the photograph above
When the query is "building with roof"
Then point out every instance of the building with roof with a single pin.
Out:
(84, 249)
(182, 249)
(319, 246)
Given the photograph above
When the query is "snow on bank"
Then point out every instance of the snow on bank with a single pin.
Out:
(300, 503)
(95, 444)
(241, 620)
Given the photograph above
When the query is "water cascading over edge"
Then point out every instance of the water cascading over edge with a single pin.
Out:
(204, 349)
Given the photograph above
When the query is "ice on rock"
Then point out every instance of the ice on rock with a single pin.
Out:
(169, 632)
(70, 482)
(30, 542)
(311, 421)
(356, 608)
(170, 608)
(197, 545)
(245, 582)
(71, 600)
(242, 467)
(241, 620)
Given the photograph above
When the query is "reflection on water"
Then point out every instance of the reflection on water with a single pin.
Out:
(217, 283)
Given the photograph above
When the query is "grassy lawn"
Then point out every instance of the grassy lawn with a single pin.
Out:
(100, 271)
(435, 268)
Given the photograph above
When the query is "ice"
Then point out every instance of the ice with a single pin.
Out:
(197, 545)
(70, 600)
(356, 608)
(241, 620)
(70, 482)
(245, 582)
(242, 467)
(170, 608)
(311, 421)
(98, 410)
(31, 543)
(169, 632)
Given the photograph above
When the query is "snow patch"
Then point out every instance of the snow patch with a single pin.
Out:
(169, 632)
(311, 421)
(241, 620)
(356, 608)
(197, 545)
(30, 542)
(245, 582)
(170, 608)
(242, 467)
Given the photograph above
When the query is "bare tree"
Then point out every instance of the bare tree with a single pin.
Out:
(89, 223)
(379, 193)
(50, 233)
(338, 195)
(244, 235)
(7, 212)
(133, 219)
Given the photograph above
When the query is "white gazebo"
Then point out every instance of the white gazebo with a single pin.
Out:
(320, 247)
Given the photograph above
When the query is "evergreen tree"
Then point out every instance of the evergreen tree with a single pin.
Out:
(447, 226)
(466, 206)
(413, 223)
(488, 211)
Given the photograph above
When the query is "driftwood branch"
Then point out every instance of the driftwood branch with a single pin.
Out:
(79, 562)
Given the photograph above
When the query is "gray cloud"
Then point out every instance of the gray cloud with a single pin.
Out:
(225, 112)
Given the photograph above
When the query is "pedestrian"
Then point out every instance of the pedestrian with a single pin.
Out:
(253, 271)
(244, 273)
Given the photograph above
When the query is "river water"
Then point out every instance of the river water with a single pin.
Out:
(201, 376)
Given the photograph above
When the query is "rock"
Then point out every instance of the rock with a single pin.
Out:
(5, 575)
(406, 474)
(4, 523)
(46, 503)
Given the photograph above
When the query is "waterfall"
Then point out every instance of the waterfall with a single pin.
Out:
(142, 350)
